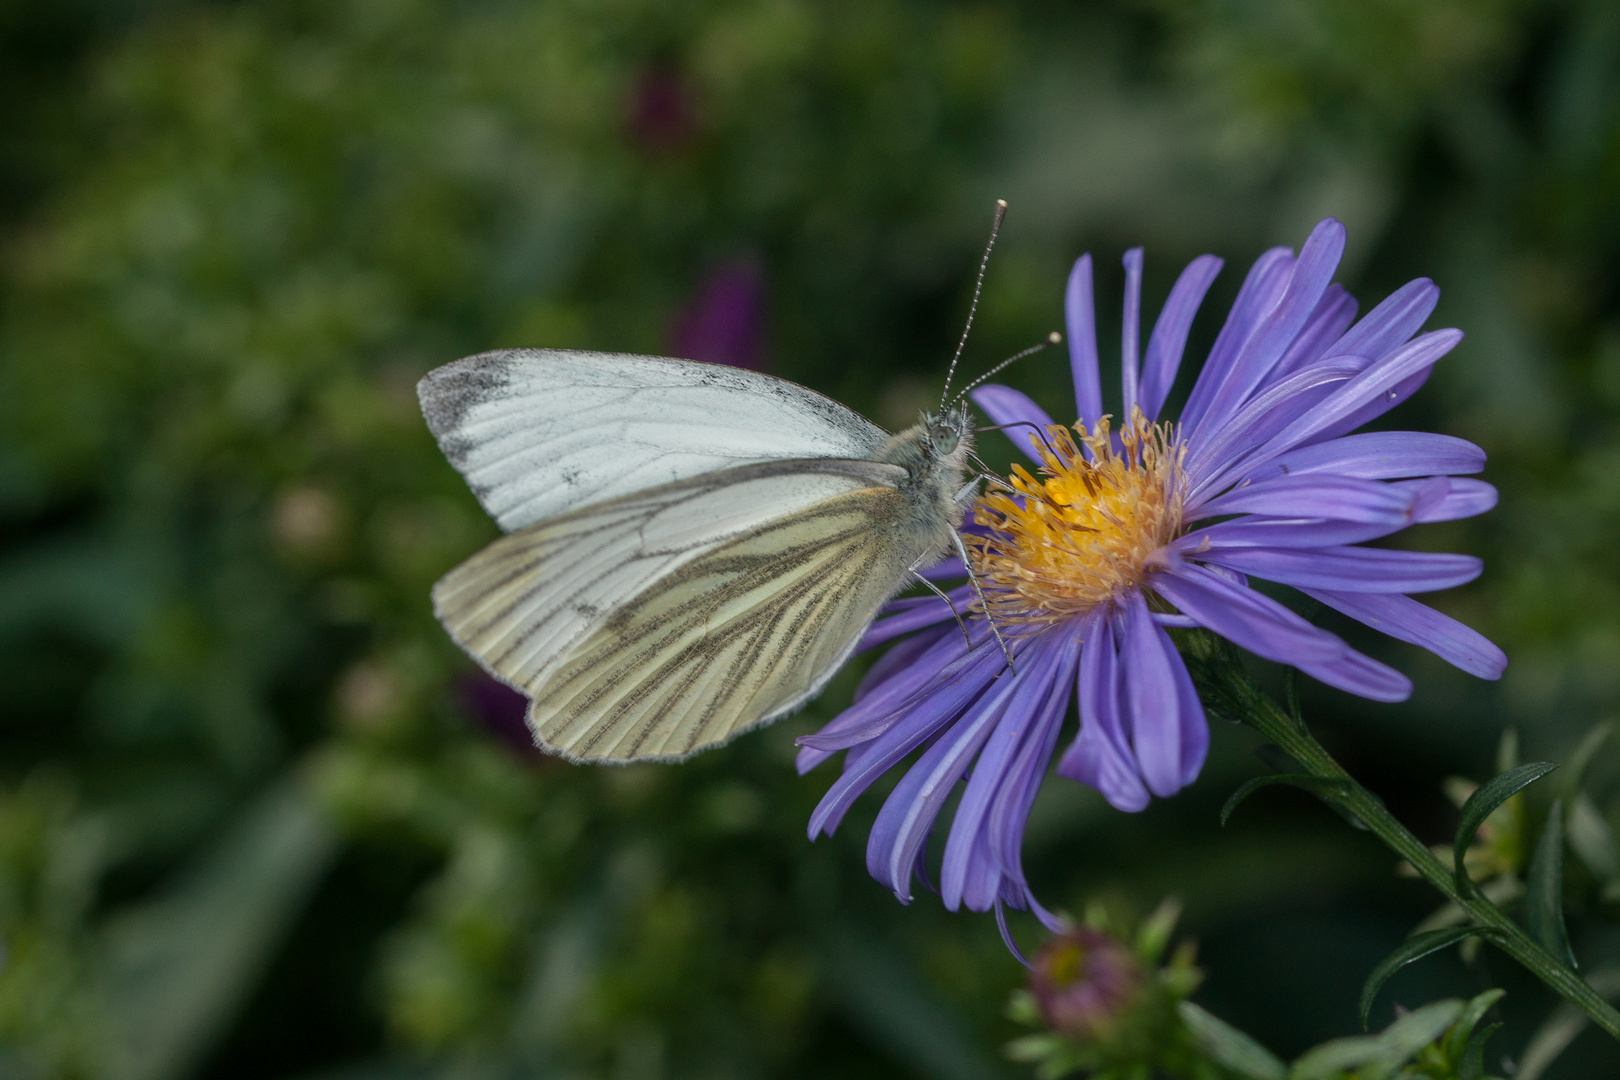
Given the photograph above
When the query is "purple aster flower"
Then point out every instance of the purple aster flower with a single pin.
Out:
(1125, 533)
(725, 324)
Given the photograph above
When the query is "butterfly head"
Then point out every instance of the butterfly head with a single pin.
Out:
(946, 430)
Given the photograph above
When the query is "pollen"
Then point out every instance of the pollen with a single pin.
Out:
(1081, 532)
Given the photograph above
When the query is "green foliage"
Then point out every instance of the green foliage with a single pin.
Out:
(1544, 892)
(1440, 1041)
(1312, 784)
(1146, 1033)
(1410, 951)
(1483, 803)
(250, 827)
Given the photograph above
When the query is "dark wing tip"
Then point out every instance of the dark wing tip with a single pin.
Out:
(447, 393)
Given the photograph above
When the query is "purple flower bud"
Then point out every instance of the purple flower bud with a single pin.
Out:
(498, 709)
(661, 113)
(1084, 981)
(724, 324)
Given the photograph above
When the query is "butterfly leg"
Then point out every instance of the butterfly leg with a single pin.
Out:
(961, 549)
(937, 591)
(970, 490)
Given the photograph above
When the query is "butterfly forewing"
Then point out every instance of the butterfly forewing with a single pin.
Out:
(541, 432)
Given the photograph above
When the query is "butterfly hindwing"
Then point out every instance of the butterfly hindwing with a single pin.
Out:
(668, 620)
(745, 633)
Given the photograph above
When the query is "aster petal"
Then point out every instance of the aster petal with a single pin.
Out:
(1379, 380)
(1377, 407)
(1365, 677)
(1151, 692)
(1010, 812)
(990, 773)
(1333, 315)
(1169, 339)
(944, 662)
(1012, 409)
(1353, 569)
(1269, 532)
(1217, 457)
(914, 727)
(1194, 725)
(1263, 285)
(1407, 620)
(913, 613)
(1401, 314)
(1339, 498)
(1080, 319)
(1100, 757)
(946, 569)
(908, 814)
(896, 660)
(1461, 499)
(1131, 330)
(1379, 455)
(1277, 329)
(1266, 628)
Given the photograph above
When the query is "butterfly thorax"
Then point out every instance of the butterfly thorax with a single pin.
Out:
(934, 452)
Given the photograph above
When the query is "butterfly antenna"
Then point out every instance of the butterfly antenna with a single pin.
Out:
(1051, 339)
(978, 287)
(1040, 433)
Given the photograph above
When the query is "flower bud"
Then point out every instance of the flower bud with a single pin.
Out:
(1083, 982)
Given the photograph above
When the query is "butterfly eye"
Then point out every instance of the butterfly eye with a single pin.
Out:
(944, 437)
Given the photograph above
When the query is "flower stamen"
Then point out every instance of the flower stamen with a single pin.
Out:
(1083, 532)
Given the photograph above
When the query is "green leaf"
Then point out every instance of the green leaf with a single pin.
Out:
(1575, 766)
(1471, 1066)
(178, 967)
(1316, 785)
(1378, 1056)
(1544, 889)
(1507, 750)
(1591, 838)
(1457, 1039)
(1230, 1047)
(1412, 949)
(1483, 802)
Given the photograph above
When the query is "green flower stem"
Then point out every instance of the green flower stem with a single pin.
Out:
(1242, 700)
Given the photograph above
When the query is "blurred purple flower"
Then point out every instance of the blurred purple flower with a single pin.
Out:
(498, 709)
(1083, 982)
(725, 324)
(661, 113)
(1158, 525)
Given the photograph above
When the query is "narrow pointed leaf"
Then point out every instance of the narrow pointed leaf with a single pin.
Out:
(1591, 838)
(1412, 1032)
(1480, 805)
(1544, 892)
(1412, 949)
(1575, 766)
(1380, 1055)
(1316, 785)
(1507, 750)
(1471, 1066)
(1457, 1038)
(1229, 1046)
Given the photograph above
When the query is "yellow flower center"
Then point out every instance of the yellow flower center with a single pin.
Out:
(1083, 533)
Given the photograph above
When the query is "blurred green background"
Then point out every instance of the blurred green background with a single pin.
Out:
(256, 818)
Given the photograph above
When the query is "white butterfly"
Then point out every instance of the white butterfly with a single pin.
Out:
(691, 550)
